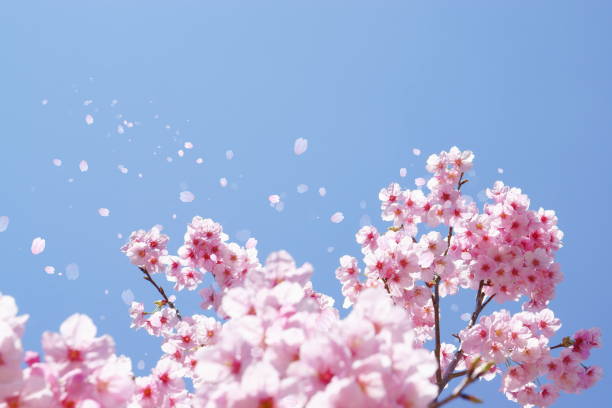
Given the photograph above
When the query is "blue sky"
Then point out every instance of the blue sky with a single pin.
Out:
(525, 85)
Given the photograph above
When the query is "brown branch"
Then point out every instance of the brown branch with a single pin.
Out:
(480, 305)
(436, 304)
(161, 291)
(456, 394)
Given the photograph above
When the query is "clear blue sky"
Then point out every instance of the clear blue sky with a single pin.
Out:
(525, 85)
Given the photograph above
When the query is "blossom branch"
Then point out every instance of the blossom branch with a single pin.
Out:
(161, 291)
(458, 392)
(480, 305)
(436, 303)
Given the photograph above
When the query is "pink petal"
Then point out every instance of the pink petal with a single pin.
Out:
(403, 172)
(4, 222)
(322, 191)
(251, 243)
(89, 119)
(104, 212)
(419, 181)
(416, 152)
(302, 188)
(300, 146)
(500, 170)
(223, 182)
(274, 199)
(229, 155)
(186, 196)
(38, 245)
(199, 160)
(188, 145)
(49, 269)
(83, 166)
(337, 217)
(57, 162)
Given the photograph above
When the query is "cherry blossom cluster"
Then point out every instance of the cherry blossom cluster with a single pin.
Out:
(522, 341)
(282, 344)
(79, 369)
(266, 339)
(504, 251)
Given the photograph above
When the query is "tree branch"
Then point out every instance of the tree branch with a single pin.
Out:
(161, 291)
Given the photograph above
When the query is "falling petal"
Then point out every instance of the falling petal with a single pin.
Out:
(330, 249)
(89, 119)
(44, 101)
(49, 269)
(57, 162)
(140, 365)
(337, 217)
(500, 170)
(223, 182)
(186, 196)
(419, 181)
(4, 222)
(251, 243)
(38, 245)
(83, 166)
(72, 271)
(302, 188)
(403, 172)
(322, 191)
(300, 146)
(188, 145)
(199, 160)
(120, 129)
(122, 169)
(87, 102)
(127, 296)
(274, 199)
(181, 153)
(465, 317)
(416, 152)
(104, 212)
(229, 155)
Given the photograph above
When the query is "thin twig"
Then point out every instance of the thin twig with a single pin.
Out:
(436, 305)
(480, 305)
(458, 392)
(161, 291)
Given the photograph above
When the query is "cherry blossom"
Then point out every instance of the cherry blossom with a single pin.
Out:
(267, 338)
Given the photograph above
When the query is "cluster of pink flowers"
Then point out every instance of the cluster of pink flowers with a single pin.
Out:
(79, 369)
(505, 251)
(283, 344)
(275, 342)
(522, 341)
